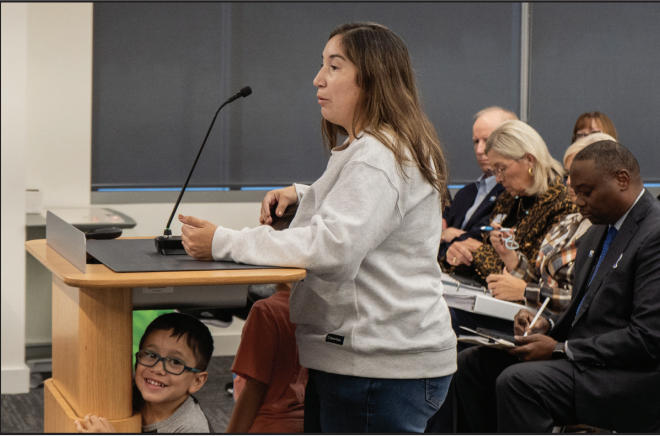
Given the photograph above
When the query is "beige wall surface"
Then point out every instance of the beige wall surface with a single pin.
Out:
(15, 374)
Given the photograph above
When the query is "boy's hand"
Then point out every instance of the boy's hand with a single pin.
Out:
(197, 237)
(94, 424)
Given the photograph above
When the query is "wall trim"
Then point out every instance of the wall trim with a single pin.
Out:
(15, 380)
(525, 55)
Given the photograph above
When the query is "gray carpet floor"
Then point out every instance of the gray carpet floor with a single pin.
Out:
(24, 413)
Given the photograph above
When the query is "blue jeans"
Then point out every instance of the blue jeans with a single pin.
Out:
(347, 404)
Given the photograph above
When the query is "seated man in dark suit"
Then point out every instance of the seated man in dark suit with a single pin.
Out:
(599, 363)
(473, 204)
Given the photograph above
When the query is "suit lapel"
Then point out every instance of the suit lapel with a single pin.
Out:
(464, 203)
(588, 257)
(613, 255)
(484, 204)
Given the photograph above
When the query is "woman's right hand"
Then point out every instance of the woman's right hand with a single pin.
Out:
(282, 198)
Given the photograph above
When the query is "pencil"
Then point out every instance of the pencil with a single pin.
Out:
(538, 314)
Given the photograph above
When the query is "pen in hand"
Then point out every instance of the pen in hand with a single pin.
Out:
(490, 229)
(538, 314)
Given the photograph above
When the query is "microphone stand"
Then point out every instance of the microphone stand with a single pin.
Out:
(168, 244)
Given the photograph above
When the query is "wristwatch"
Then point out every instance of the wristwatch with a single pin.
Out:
(558, 352)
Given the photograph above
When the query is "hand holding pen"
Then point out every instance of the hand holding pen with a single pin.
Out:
(522, 322)
(504, 234)
(499, 229)
(538, 314)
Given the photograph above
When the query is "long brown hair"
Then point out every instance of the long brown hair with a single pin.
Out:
(389, 104)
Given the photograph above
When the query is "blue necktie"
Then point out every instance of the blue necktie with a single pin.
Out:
(611, 233)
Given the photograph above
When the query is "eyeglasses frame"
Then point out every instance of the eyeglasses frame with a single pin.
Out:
(500, 172)
(160, 358)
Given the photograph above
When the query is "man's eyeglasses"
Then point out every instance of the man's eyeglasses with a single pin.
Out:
(172, 365)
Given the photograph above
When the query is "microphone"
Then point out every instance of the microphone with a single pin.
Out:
(168, 244)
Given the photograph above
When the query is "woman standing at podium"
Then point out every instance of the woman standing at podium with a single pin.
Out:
(372, 326)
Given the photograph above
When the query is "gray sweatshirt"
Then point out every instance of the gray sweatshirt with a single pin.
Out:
(368, 236)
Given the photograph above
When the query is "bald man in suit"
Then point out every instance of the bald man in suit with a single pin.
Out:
(599, 363)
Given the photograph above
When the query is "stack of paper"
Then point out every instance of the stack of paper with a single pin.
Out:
(477, 300)
(460, 295)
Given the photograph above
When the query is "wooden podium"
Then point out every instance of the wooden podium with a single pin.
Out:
(93, 333)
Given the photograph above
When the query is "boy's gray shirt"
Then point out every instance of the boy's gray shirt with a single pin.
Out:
(188, 418)
(368, 236)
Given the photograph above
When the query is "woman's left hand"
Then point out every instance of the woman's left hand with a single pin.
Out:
(197, 237)
(506, 287)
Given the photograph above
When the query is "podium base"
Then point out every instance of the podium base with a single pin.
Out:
(59, 417)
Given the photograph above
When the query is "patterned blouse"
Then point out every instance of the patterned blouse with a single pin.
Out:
(548, 209)
(552, 273)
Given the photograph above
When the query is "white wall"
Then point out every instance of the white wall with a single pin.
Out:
(46, 145)
(15, 374)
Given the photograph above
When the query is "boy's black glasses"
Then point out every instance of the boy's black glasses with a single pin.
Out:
(171, 364)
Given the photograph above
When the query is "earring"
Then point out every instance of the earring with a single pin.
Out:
(531, 173)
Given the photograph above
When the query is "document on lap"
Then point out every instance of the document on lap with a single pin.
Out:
(488, 338)
(477, 299)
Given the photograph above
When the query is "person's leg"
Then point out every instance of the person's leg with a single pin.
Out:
(444, 420)
(533, 397)
(358, 404)
(312, 417)
(473, 320)
(478, 369)
(405, 406)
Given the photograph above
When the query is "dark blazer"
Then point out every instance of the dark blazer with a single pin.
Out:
(615, 338)
(462, 202)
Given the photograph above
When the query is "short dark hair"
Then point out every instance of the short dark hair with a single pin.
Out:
(198, 336)
(610, 157)
(283, 222)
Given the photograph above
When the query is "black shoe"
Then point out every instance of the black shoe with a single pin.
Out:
(229, 387)
(214, 317)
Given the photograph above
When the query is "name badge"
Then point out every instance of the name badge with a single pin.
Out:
(499, 218)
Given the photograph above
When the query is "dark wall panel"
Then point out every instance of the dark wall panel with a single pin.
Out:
(597, 57)
(161, 70)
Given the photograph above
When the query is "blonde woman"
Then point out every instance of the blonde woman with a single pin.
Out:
(551, 274)
(535, 199)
